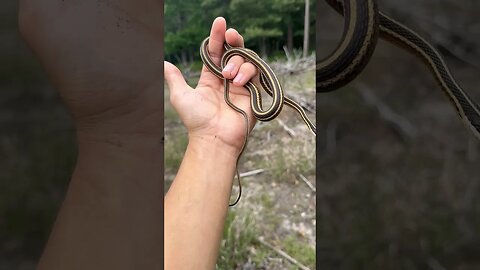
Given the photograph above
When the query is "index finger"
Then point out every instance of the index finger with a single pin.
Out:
(217, 39)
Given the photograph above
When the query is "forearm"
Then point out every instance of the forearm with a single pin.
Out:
(196, 205)
(111, 216)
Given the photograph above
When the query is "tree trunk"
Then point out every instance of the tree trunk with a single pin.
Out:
(190, 56)
(290, 37)
(306, 28)
(184, 57)
(263, 47)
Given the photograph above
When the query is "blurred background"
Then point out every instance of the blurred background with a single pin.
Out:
(37, 150)
(398, 175)
(277, 208)
(393, 194)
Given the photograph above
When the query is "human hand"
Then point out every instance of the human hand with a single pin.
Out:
(105, 60)
(203, 110)
(104, 57)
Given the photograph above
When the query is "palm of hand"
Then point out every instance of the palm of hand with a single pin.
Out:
(204, 111)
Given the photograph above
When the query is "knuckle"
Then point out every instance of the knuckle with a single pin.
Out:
(173, 97)
(250, 68)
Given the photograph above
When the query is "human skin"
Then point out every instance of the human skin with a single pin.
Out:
(197, 201)
(104, 58)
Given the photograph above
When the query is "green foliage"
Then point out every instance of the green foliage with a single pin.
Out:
(255, 32)
(264, 24)
(256, 18)
(290, 162)
(238, 235)
(182, 30)
(175, 148)
(300, 250)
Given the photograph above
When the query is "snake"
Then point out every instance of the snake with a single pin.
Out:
(364, 24)
(269, 82)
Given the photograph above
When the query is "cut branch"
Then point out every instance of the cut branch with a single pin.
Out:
(398, 122)
(251, 173)
(283, 254)
(309, 184)
(290, 131)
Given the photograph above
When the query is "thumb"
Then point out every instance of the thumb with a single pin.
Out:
(174, 78)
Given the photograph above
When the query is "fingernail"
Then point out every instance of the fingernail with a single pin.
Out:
(238, 79)
(229, 67)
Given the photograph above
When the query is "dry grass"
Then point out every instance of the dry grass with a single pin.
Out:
(276, 204)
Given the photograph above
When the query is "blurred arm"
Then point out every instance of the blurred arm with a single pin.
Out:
(111, 216)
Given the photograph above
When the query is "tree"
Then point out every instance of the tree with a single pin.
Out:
(266, 25)
(306, 26)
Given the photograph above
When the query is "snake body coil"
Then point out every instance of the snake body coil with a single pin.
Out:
(269, 82)
(364, 23)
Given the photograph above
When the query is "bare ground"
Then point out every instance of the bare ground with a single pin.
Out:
(278, 204)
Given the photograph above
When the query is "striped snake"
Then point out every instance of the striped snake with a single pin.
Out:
(364, 23)
(270, 84)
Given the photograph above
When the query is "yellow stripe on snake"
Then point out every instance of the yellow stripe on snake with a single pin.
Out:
(269, 82)
(364, 23)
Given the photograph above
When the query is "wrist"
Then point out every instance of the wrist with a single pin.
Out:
(111, 161)
(212, 147)
(139, 118)
(119, 169)
(139, 144)
(114, 197)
